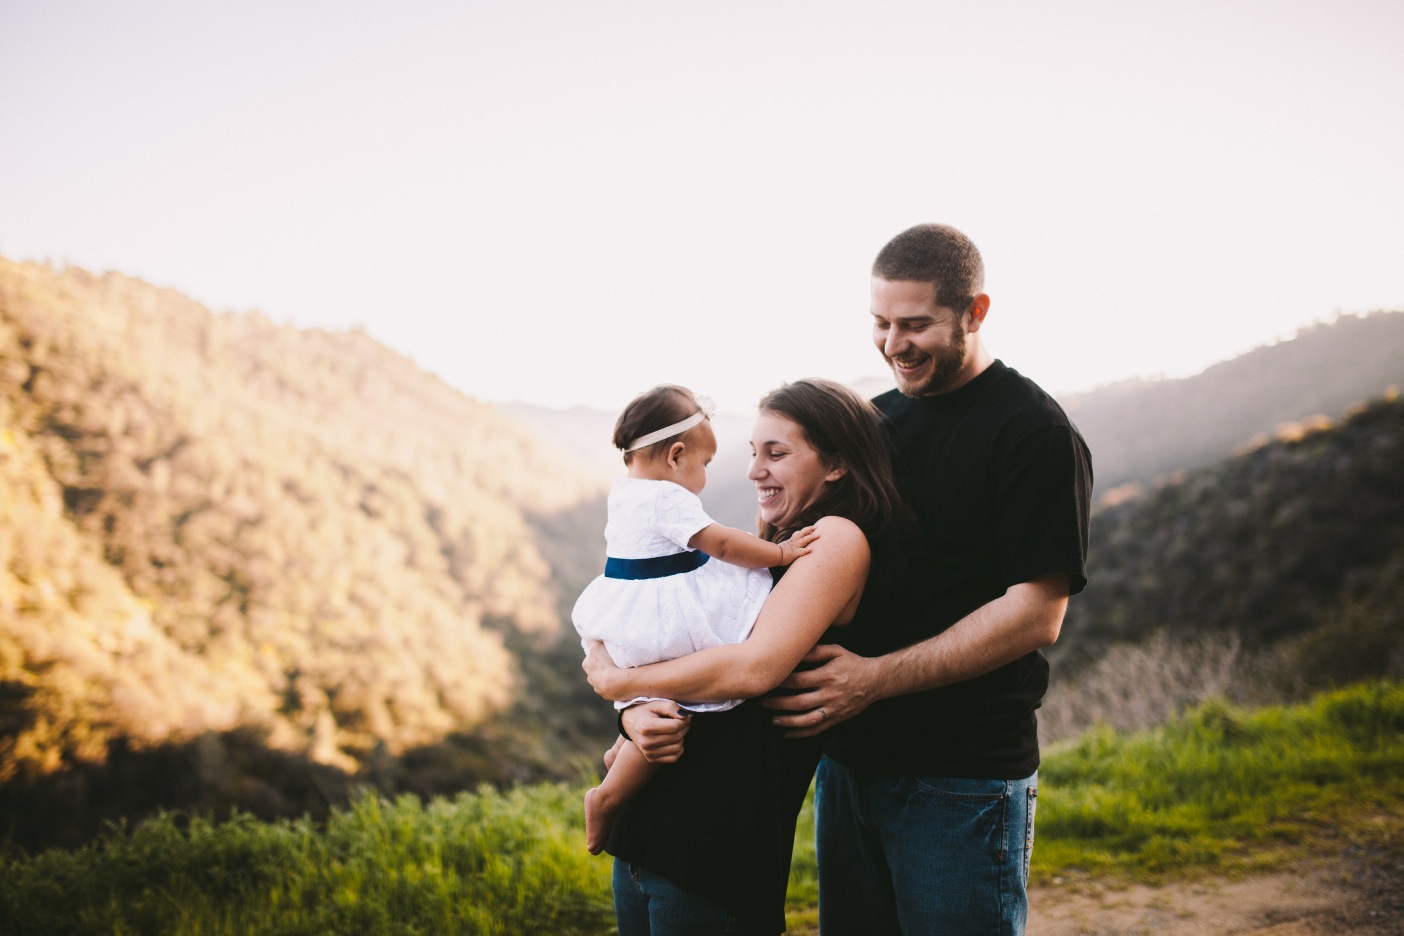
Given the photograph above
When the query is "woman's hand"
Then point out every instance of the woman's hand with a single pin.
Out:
(657, 730)
(600, 671)
(840, 685)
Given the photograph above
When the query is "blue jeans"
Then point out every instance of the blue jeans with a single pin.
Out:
(646, 904)
(910, 855)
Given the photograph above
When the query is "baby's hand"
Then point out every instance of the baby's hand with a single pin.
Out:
(797, 545)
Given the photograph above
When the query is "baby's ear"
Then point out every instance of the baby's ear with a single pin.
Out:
(675, 453)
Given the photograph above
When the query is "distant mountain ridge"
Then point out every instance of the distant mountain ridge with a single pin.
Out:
(583, 434)
(1139, 430)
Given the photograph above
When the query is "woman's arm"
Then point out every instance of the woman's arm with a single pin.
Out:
(813, 594)
(746, 549)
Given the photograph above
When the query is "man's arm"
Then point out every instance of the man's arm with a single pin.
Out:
(1025, 618)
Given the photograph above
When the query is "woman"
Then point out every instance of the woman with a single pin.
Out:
(705, 846)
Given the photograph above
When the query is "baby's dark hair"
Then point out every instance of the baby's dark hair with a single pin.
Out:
(650, 411)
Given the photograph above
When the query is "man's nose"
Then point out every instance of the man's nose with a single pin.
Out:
(894, 343)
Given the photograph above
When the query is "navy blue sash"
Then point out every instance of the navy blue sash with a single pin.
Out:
(655, 567)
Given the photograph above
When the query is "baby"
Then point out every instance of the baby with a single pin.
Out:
(675, 581)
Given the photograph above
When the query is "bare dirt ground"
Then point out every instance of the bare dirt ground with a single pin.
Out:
(1356, 892)
(1352, 885)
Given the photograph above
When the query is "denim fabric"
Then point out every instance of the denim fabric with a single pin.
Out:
(646, 904)
(922, 855)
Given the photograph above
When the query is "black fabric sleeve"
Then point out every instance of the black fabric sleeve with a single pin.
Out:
(1044, 499)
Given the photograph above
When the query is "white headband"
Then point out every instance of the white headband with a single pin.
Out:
(706, 409)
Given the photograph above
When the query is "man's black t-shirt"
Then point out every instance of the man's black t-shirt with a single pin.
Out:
(999, 482)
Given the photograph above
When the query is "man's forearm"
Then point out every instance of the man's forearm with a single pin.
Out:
(1027, 617)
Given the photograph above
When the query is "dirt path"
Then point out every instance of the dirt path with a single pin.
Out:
(1358, 893)
(1354, 886)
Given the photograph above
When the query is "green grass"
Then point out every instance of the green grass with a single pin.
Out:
(1222, 788)
(480, 863)
(1219, 790)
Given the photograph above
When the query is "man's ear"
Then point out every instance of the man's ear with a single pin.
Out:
(976, 312)
(675, 453)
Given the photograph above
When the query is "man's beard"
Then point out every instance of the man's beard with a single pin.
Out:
(948, 364)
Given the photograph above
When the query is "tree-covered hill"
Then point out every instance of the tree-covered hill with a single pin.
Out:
(213, 523)
(1297, 539)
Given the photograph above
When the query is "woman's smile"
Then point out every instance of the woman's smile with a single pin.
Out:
(788, 472)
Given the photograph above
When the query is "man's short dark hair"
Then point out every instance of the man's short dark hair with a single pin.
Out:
(935, 253)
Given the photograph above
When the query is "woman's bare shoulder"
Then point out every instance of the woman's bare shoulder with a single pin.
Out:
(842, 536)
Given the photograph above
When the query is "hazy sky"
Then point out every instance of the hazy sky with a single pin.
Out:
(567, 202)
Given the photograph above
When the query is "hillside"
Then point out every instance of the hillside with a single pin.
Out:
(1270, 575)
(1263, 543)
(216, 524)
(1141, 429)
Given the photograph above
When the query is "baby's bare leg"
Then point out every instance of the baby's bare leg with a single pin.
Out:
(630, 771)
(613, 752)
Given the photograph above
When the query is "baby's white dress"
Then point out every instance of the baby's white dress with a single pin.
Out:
(648, 620)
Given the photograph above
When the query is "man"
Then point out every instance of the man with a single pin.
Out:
(925, 796)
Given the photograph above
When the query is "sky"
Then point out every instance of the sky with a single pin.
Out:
(565, 203)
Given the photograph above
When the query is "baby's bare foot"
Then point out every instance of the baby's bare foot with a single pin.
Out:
(599, 817)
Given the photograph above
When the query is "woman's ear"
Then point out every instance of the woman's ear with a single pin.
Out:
(838, 470)
(675, 453)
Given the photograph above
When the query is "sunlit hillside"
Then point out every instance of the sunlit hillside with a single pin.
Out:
(212, 522)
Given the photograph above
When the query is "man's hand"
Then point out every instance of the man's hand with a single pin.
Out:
(657, 729)
(599, 668)
(841, 685)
